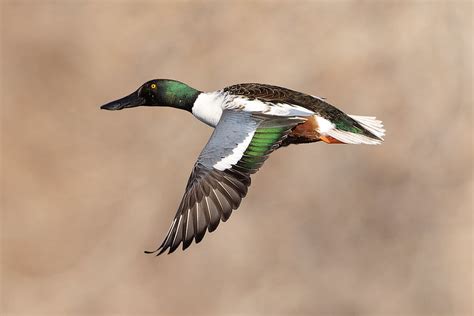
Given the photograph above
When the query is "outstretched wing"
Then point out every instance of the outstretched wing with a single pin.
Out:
(238, 147)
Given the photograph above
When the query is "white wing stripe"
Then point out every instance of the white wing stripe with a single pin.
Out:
(237, 153)
(229, 140)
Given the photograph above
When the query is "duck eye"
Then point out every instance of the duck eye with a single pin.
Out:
(153, 86)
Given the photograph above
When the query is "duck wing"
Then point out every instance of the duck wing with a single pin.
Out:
(277, 95)
(238, 147)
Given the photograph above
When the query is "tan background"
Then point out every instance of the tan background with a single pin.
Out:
(325, 230)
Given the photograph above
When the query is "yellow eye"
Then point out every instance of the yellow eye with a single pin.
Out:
(153, 86)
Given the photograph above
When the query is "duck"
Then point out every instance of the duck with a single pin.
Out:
(250, 121)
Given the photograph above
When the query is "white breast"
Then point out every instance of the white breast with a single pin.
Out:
(208, 107)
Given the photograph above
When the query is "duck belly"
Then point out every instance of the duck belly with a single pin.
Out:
(306, 132)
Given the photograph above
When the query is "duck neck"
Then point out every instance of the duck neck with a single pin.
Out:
(178, 95)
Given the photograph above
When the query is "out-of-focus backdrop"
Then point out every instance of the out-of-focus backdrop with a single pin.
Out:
(324, 230)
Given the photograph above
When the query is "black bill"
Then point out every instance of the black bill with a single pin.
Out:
(129, 101)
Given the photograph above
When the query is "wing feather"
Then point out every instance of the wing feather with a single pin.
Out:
(212, 191)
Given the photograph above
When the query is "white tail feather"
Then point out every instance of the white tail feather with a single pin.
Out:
(371, 124)
(352, 138)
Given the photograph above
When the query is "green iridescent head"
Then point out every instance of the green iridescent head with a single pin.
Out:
(158, 92)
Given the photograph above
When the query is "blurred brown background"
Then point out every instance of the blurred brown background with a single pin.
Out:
(325, 230)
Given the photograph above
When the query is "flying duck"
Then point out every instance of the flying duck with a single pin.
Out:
(250, 121)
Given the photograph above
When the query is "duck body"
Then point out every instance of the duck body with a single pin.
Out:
(322, 118)
(250, 121)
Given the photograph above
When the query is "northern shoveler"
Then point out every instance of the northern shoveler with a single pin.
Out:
(251, 120)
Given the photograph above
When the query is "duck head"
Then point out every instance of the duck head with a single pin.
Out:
(157, 92)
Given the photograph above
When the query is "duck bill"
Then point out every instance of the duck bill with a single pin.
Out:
(130, 101)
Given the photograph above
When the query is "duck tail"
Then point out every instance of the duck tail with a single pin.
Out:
(372, 132)
(371, 124)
